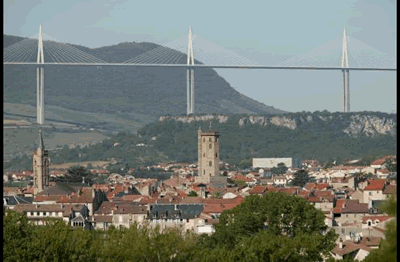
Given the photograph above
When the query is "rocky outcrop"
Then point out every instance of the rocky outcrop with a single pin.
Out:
(370, 126)
(354, 125)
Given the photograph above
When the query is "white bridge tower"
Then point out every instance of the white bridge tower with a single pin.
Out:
(40, 80)
(190, 76)
(346, 74)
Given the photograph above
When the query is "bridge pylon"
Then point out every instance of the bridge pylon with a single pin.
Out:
(346, 74)
(40, 80)
(190, 76)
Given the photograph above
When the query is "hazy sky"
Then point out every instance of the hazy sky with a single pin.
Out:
(266, 32)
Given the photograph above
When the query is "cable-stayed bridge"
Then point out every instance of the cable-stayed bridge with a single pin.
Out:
(180, 53)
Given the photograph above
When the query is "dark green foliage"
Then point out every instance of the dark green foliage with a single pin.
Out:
(391, 165)
(274, 227)
(79, 174)
(192, 194)
(387, 250)
(280, 169)
(301, 178)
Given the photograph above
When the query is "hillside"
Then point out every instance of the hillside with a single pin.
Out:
(131, 94)
(321, 135)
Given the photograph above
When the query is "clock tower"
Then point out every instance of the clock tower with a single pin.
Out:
(41, 165)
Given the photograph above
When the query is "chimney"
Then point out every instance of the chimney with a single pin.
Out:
(340, 243)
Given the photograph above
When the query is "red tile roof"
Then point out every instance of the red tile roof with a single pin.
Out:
(258, 190)
(85, 195)
(349, 247)
(131, 197)
(289, 190)
(243, 178)
(381, 218)
(378, 162)
(375, 185)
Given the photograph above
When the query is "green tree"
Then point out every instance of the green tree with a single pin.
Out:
(17, 237)
(387, 250)
(192, 194)
(274, 227)
(76, 174)
(301, 178)
(390, 165)
(239, 183)
(280, 169)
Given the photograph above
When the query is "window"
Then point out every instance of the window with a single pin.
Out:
(377, 192)
(210, 140)
(204, 172)
(343, 231)
(29, 213)
(370, 193)
(204, 140)
(204, 154)
(210, 163)
(216, 154)
(369, 223)
(209, 146)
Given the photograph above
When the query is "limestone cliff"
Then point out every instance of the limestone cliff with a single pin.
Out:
(353, 124)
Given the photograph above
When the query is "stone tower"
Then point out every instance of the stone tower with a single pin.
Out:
(208, 148)
(41, 163)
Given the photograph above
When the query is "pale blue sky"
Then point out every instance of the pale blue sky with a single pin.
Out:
(265, 31)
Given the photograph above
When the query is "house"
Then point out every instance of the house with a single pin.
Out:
(81, 219)
(374, 190)
(185, 216)
(357, 195)
(348, 248)
(122, 213)
(349, 211)
(389, 190)
(84, 196)
(39, 213)
(259, 190)
(376, 221)
(280, 180)
(266, 181)
(382, 173)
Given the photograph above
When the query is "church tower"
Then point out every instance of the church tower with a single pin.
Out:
(208, 158)
(41, 163)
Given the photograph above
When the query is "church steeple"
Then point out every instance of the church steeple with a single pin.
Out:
(41, 163)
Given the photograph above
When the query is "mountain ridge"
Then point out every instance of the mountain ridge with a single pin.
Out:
(121, 90)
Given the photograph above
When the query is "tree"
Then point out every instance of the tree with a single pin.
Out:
(192, 194)
(391, 167)
(301, 178)
(387, 250)
(280, 169)
(273, 227)
(17, 237)
(76, 174)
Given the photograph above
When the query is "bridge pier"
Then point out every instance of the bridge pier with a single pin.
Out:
(346, 82)
(40, 95)
(40, 81)
(190, 76)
